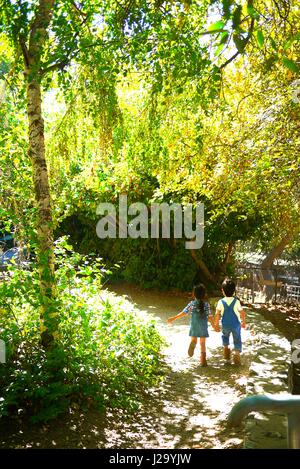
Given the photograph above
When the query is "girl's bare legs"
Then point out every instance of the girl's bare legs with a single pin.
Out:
(192, 346)
(203, 344)
(203, 361)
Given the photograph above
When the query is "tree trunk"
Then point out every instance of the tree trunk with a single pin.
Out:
(277, 251)
(202, 267)
(32, 53)
(45, 248)
(227, 257)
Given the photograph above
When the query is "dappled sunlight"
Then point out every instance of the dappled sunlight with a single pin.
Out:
(193, 402)
(189, 409)
(153, 142)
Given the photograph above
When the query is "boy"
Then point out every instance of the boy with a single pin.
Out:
(233, 318)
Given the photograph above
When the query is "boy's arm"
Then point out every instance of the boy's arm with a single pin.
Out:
(178, 316)
(243, 318)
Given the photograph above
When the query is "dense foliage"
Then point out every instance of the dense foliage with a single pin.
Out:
(164, 101)
(106, 354)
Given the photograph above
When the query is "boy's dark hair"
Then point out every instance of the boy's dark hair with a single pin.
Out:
(199, 292)
(228, 287)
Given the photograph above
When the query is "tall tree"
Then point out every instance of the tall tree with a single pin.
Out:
(32, 54)
(46, 36)
(166, 39)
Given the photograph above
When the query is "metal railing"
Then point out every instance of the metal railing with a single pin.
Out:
(287, 405)
(276, 285)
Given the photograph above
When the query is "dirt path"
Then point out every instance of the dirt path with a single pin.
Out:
(189, 410)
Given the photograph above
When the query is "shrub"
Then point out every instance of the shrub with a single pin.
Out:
(106, 355)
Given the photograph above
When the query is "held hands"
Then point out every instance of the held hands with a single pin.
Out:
(217, 328)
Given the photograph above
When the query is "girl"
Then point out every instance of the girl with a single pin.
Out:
(200, 315)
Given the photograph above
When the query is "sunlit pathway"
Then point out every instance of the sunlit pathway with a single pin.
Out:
(191, 407)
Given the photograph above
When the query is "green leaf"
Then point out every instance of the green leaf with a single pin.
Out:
(290, 64)
(216, 27)
(236, 17)
(291, 40)
(224, 37)
(252, 12)
(273, 44)
(240, 42)
(260, 37)
(226, 8)
(219, 49)
(270, 62)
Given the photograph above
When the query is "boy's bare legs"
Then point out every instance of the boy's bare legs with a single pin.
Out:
(192, 346)
(203, 361)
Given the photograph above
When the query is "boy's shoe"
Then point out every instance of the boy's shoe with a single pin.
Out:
(191, 349)
(203, 361)
(237, 357)
(227, 353)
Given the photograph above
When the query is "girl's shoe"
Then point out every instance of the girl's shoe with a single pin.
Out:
(191, 349)
(203, 361)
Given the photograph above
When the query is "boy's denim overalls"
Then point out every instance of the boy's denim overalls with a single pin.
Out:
(231, 324)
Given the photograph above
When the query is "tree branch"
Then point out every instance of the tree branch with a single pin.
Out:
(244, 47)
(56, 66)
(79, 11)
(24, 51)
(229, 60)
(66, 61)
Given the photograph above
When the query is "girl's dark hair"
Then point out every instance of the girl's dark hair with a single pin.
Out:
(199, 292)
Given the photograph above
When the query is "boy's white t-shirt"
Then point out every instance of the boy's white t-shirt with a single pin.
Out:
(229, 299)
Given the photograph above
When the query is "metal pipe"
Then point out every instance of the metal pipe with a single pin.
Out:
(289, 405)
(294, 430)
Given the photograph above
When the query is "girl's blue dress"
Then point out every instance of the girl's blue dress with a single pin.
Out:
(198, 320)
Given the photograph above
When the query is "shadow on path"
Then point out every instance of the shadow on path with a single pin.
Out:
(188, 410)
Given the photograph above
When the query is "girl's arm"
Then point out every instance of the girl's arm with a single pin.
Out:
(178, 316)
(211, 320)
(217, 320)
